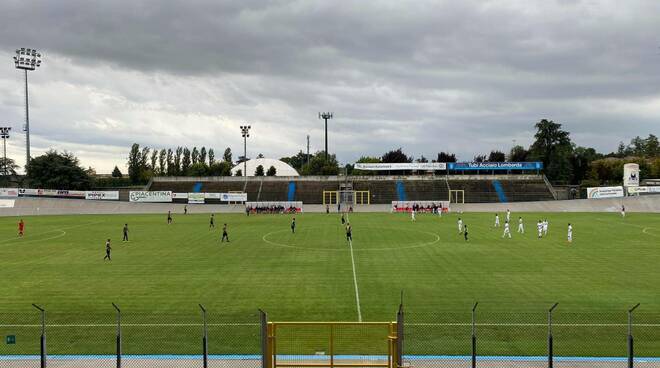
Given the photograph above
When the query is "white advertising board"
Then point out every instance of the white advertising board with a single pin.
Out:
(102, 195)
(9, 192)
(233, 197)
(635, 190)
(153, 197)
(604, 192)
(401, 166)
(179, 195)
(196, 198)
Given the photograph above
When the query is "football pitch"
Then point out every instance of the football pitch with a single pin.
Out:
(160, 276)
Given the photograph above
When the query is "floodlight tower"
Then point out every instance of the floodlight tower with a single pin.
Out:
(245, 132)
(325, 116)
(4, 134)
(28, 60)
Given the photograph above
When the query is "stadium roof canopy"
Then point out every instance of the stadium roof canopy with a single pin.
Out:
(281, 168)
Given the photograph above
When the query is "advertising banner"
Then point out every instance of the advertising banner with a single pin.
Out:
(52, 193)
(179, 195)
(212, 195)
(630, 175)
(460, 166)
(7, 203)
(604, 192)
(9, 192)
(69, 193)
(635, 190)
(233, 197)
(401, 166)
(102, 195)
(153, 197)
(196, 198)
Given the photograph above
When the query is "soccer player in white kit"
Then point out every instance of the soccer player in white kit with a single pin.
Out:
(507, 230)
(497, 220)
(412, 215)
(570, 233)
(545, 227)
(460, 225)
(521, 227)
(508, 215)
(539, 227)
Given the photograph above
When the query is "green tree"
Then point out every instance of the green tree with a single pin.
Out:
(319, 166)
(366, 160)
(202, 155)
(177, 161)
(54, 170)
(651, 146)
(220, 168)
(259, 171)
(162, 162)
(479, 158)
(553, 147)
(446, 157)
(272, 171)
(198, 169)
(211, 156)
(395, 156)
(227, 155)
(496, 156)
(8, 166)
(239, 172)
(153, 162)
(116, 173)
(170, 162)
(296, 161)
(134, 168)
(194, 155)
(581, 161)
(185, 161)
(518, 153)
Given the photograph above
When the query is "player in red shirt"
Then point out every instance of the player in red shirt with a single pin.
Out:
(21, 227)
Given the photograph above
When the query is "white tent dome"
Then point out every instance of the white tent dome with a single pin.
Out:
(281, 168)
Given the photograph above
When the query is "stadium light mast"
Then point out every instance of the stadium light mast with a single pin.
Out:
(27, 60)
(325, 116)
(4, 134)
(245, 133)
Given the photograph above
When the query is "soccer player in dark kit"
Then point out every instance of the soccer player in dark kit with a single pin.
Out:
(108, 249)
(293, 225)
(169, 217)
(349, 233)
(212, 222)
(224, 234)
(125, 233)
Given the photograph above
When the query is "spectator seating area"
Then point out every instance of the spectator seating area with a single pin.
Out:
(383, 190)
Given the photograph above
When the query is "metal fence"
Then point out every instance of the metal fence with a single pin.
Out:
(478, 336)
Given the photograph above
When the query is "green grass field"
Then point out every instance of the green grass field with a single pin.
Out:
(164, 271)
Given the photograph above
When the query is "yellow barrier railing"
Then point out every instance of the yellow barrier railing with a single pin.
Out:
(331, 344)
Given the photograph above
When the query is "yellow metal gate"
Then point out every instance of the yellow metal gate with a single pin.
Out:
(331, 344)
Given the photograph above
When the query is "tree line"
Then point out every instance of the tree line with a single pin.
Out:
(564, 162)
(145, 162)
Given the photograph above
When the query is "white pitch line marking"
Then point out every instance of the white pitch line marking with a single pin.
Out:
(355, 283)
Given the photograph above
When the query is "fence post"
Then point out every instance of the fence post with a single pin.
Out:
(265, 358)
(550, 352)
(474, 337)
(631, 351)
(205, 340)
(399, 335)
(42, 343)
(118, 334)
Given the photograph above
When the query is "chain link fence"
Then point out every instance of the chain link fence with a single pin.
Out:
(485, 338)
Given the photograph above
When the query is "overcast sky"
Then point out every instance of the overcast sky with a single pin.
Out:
(429, 76)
